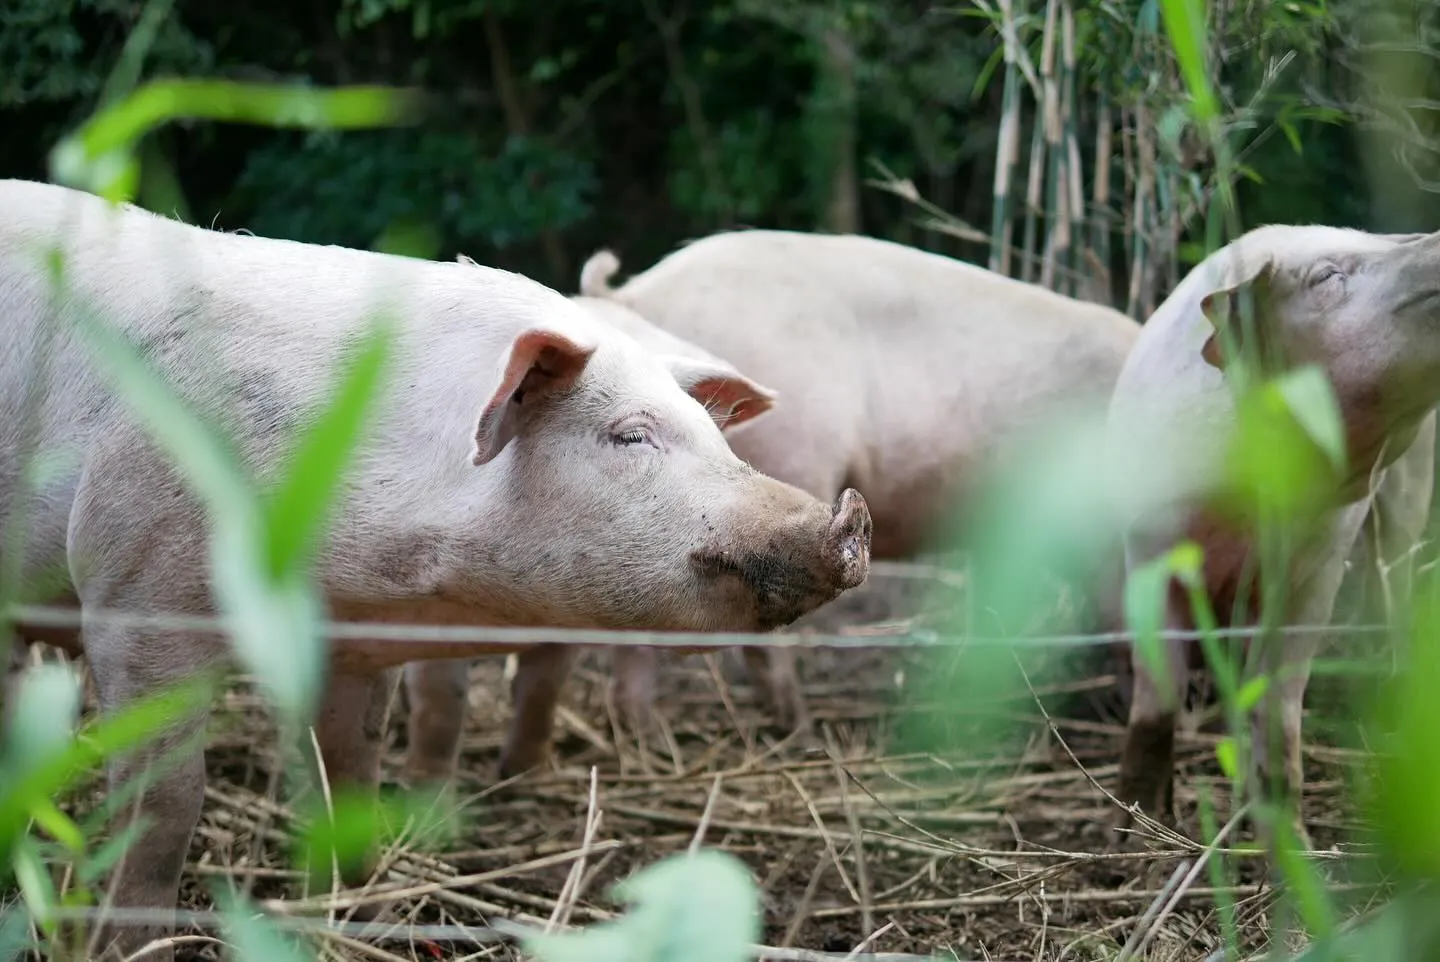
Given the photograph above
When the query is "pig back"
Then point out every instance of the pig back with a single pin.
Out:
(895, 368)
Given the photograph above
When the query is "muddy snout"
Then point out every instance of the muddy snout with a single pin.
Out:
(846, 547)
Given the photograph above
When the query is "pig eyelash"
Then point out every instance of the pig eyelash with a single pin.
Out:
(633, 436)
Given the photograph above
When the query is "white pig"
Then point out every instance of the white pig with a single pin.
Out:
(1365, 308)
(898, 372)
(526, 465)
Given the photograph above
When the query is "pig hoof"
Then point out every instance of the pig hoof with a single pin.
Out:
(520, 761)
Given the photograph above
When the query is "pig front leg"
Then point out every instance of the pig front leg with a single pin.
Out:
(534, 692)
(436, 691)
(633, 670)
(1147, 761)
(126, 666)
(350, 730)
(1276, 722)
(774, 674)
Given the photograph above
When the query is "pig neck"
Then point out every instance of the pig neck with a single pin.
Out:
(1373, 440)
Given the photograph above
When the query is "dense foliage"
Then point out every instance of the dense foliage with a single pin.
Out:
(563, 126)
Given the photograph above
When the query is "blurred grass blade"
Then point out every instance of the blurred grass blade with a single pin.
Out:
(99, 155)
(1147, 593)
(14, 933)
(299, 507)
(1185, 24)
(109, 735)
(252, 937)
(686, 908)
(47, 706)
(208, 463)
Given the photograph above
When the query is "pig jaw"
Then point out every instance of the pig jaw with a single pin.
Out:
(775, 577)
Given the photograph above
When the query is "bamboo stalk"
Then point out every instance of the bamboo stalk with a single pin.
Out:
(1007, 150)
(1074, 167)
(1104, 150)
(1055, 221)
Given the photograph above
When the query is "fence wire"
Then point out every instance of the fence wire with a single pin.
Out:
(497, 930)
(898, 634)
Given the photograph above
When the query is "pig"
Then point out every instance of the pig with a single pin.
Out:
(1364, 308)
(525, 464)
(898, 372)
(436, 689)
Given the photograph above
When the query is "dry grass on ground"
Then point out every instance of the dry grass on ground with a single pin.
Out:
(999, 852)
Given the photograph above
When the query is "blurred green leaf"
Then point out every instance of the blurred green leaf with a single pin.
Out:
(1147, 590)
(1251, 692)
(686, 908)
(108, 735)
(1302, 879)
(1311, 399)
(298, 509)
(14, 932)
(98, 156)
(35, 885)
(1185, 24)
(47, 705)
(1227, 753)
(1288, 448)
(1406, 780)
(252, 937)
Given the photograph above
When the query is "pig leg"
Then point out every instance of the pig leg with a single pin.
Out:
(350, 730)
(1147, 762)
(632, 683)
(437, 694)
(774, 674)
(1281, 775)
(534, 693)
(126, 666)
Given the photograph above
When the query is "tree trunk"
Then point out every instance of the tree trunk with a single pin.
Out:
(838, 103)
(517, 121)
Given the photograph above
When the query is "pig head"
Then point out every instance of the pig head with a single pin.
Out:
(1365, 308)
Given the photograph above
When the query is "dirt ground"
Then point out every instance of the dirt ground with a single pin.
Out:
(994, 847)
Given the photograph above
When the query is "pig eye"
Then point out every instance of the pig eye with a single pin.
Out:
(1325, 273)
(633, 436)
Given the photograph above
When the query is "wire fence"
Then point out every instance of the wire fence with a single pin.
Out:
(495, 931)
(897, 634)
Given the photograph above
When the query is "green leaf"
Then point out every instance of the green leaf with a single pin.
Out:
(35, 885)
(47, 705)
(98, 156)
(58, 825)
(1303, 880)
(109, 735)
(14, 933)
(1251, 692)
(297, 510)
(1311, 399)
(252, 937)
(208, 463)
(1228, 755)
(1147, 592)
(687, 908)
(1185, 24)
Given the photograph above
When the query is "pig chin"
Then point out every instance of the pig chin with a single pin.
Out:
(776, 580)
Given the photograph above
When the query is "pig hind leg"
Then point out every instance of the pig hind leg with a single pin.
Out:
(534, 693)
(436, 691)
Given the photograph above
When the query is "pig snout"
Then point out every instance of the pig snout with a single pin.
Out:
(847, 540)
(775, 572)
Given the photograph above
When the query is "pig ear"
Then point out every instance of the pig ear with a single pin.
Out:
(539, 362)
(730, 398)
(1404, 238)
(1222, 306)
